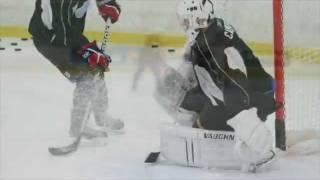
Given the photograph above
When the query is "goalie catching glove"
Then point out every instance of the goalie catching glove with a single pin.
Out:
(94, 57)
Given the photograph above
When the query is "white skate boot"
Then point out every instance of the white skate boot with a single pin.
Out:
(89, 133)
(111, 125)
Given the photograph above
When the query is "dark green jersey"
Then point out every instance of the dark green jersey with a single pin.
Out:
(238, 77)
(60, 22)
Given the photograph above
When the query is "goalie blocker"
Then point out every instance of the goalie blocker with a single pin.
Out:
(192, 147)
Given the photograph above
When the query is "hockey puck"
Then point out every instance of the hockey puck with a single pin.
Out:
(17, 49)
(14, 44)
(152, 157)
(154, 45)
(2, 48)
(24, 39)
(171, 50)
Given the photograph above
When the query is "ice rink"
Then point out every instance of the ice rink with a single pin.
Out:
(34, 114)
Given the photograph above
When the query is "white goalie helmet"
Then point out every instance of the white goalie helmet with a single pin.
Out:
(193, 15)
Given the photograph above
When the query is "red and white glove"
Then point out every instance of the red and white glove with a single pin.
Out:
(109, 9)
(94, 56)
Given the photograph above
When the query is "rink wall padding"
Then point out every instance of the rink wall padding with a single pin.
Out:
(302, 54)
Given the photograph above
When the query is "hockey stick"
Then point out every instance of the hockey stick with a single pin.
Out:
(65, 150)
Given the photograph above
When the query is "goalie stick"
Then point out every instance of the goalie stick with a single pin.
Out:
(65, 150)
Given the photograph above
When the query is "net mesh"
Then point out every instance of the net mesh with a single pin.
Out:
(302, 58)
(301, 51)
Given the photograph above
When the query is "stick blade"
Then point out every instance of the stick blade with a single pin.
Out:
(61, 151)
(65, 150)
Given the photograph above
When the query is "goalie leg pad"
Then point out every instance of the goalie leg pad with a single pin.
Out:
(199, 148)
(252, 131)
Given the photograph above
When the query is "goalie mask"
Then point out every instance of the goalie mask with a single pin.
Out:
(194, 15)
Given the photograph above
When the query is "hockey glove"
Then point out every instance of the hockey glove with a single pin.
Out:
(109, 9)
(265, 104)
(94, 56)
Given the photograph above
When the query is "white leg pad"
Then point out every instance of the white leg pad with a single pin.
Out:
(187, 146)
(251, 130)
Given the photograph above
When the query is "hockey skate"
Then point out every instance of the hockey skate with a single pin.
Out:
(90, 133)
(111, 125)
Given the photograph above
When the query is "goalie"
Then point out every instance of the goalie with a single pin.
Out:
(222, 90)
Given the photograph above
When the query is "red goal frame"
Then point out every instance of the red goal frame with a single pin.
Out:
(280, 132)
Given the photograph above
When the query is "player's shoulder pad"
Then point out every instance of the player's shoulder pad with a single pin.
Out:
(224, 28)
(218, 32)
(219, 24)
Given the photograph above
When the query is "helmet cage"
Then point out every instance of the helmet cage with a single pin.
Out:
(194, 15)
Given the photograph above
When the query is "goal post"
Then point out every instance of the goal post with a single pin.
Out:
(296, 54)
(284, 34)
(280, 132)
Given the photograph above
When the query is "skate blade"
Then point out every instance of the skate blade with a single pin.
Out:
(114, 132)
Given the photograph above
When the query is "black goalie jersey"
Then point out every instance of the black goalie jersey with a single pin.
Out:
(243, 88)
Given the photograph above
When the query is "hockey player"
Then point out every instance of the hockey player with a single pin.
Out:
(57, 29)
(149, 57)
(221, 87)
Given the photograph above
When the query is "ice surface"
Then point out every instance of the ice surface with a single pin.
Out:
(35, 106)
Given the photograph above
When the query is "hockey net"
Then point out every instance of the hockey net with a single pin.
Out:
(285, 35)
(297, 70)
